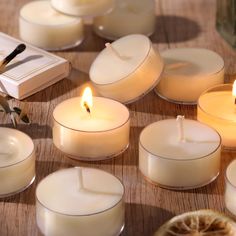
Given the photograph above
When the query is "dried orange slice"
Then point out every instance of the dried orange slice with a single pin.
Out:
(198, 223)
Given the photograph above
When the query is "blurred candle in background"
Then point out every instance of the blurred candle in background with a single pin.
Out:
(128, 17)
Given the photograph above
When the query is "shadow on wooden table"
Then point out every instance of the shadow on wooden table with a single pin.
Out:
(169, 29)
(35, 131)
(158, 106)
(144, 219)
(75, 82)
(173, 29)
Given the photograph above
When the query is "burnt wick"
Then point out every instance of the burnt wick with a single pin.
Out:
(87, 107)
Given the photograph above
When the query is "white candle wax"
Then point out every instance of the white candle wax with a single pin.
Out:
(179, 163)
(217, 108)
(17, 161)
(83, 7)
(64, 207)
(128, 17)
(99, 135)
(132, 74)
(230, 187)
(188, 72)
(42, 26)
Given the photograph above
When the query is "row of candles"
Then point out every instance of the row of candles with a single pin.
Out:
(59, 24)
(71, 200)
(88, 201)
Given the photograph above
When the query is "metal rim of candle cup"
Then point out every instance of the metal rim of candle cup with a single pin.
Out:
(83, 215)
(227, 181)
(121, 230)
(181, 160)
(18, 191)
(190, 103)
(230, 148)
(174, 101)
(54, 49)
(226, 177)
(179, 188)
(75, 21)
(70, 46)
(100, 34)
(142, 94)
(60, 48)
(84, 15)
(17, 163)
(28, 156)
(146, 92)
(214, 89)
(90, 159)
(99, 131)
(104, 36)
(137, 67)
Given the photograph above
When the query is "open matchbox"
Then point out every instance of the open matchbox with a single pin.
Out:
(31, 71)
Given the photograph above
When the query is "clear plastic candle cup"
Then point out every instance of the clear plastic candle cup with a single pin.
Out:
(80, 201)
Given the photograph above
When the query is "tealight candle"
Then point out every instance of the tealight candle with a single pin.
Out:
(182, 154)
(91, 129)
(126, 69)
(80, 201)
(42, 26)
(17, 162)
(217, 108)
(127, 17)
(230, 187)
(189, 72)
(83, 7)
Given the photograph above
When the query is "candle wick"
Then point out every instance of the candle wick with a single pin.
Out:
(87, 107)
(235, 101)
(109, 46)
(80, 178)
(180, 122)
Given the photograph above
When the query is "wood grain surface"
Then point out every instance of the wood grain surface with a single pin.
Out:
(182, 23)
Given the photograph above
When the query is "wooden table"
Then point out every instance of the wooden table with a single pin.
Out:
(182, 23)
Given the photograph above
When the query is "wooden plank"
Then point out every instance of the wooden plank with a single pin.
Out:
(182, 23)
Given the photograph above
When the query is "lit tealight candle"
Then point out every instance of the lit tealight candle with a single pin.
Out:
(80, 201)
(46, 28)
(91, 128)
(217, 108)
(188, 73)
(83, 7)
(127, 69)
(182, 154)
(17, 161)
(230, 187)
(127, 17)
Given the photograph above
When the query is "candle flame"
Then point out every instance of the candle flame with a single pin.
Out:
(87, 99)
(234, 89)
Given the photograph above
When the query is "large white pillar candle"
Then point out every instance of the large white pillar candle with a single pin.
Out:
(217, 108)
(126, 69)
(188, 72)
(101, 133)
(83, 7)
(80, 201)
(127, 17)
(46, 28)
(179, 154)
(230, 187)
(17, 161)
